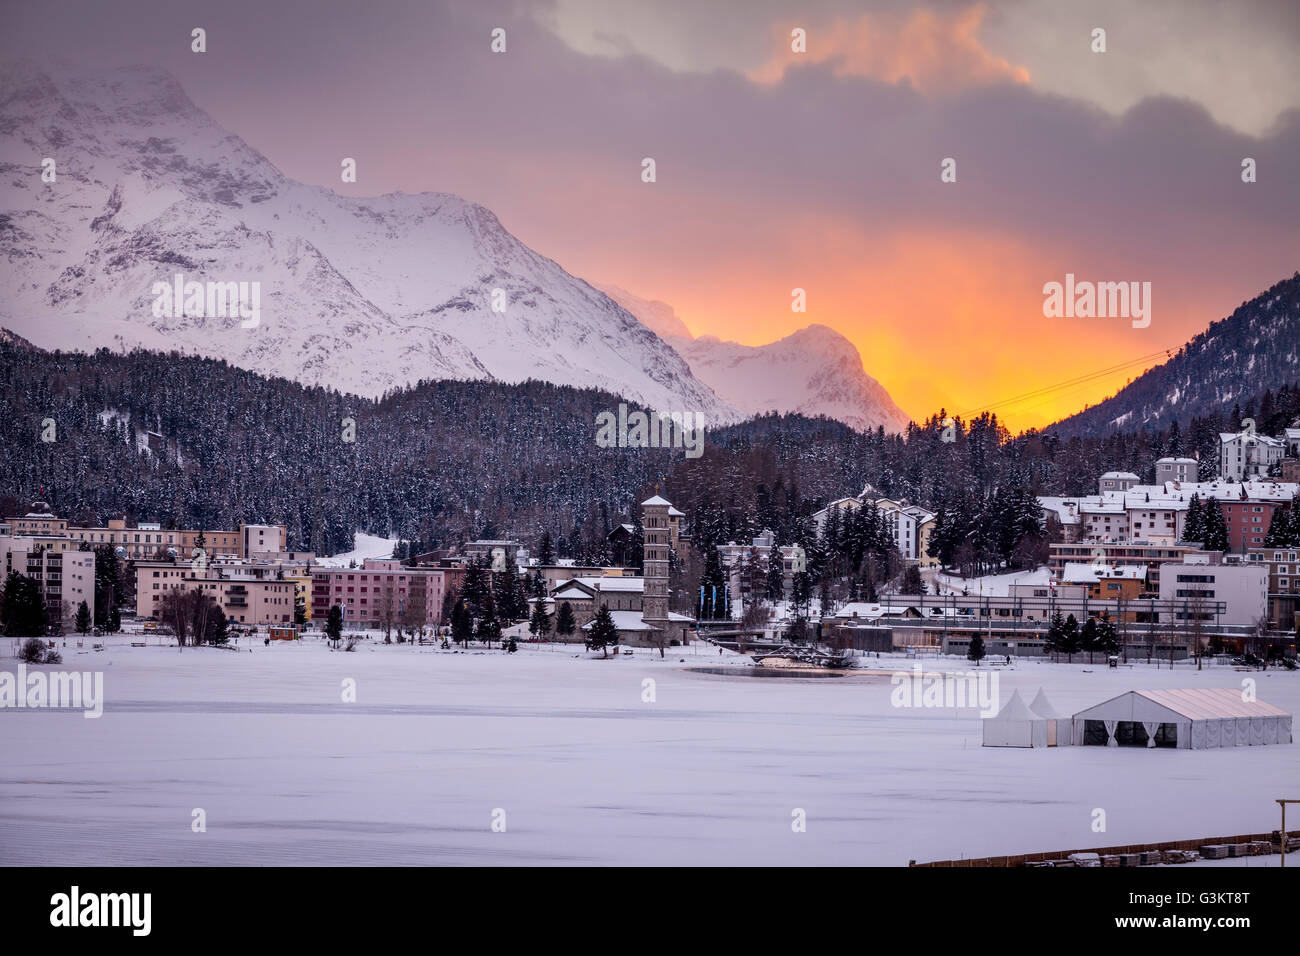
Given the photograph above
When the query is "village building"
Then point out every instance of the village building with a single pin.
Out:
(385, 592)
(66, 578)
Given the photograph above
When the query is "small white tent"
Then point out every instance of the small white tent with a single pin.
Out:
(1015, 726)
(1196, 719)
(1060, 727)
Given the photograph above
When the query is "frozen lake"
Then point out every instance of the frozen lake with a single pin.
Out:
(585, 770)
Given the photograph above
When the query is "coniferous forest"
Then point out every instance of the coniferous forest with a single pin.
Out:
(196, 442)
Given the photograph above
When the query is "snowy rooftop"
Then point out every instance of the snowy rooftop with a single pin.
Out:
(614, 584)
(1266, 440)
(625, 621)
(862, 609)
(1089, 573)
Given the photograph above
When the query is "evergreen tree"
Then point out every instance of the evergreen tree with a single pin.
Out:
(476, 590)
(565, 624)
(1215, 537)
(24, 611)
(912, 583)
(83, 621)
(602, 633)
(545, 551)
(539, 625)
(774, 581)
(462, 624)
(1070, 638)
(334, 624)
(801, 591)
(218, 626)
(976, 650)
(1088, 638)
(1107, 635)
(108, 585)
(488, 630)
(511, 604)
(1194, 523)
(1284, 529)
(1054, 639)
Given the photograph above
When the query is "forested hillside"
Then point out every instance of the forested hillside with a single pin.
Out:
(196, 442)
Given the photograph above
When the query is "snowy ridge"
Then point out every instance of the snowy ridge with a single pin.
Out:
(1255, 348)
(815, 371)
(361, 295)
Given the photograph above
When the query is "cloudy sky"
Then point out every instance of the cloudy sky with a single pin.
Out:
(775, 170)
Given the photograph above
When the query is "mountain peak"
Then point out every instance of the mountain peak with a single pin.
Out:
(360, 294)
(813, 371)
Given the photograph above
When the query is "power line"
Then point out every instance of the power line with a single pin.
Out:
(1068, 383)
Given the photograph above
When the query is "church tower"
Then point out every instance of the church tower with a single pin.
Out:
(658, 540)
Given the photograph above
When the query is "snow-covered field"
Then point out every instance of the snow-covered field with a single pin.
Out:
(585, 770)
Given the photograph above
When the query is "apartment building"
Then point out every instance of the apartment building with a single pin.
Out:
(1156, 513)
(65, 578)
(1116, 481)
(1192, 587)
(1177, 469)
(384, 590)
(910, 527)
(1152, 557)
(249, 595)
(1245, 455)
(735, 560)
(1103, 519)
(1283, 566)
(145, 539)
(1248, 522)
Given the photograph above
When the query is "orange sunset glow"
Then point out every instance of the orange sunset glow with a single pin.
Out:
(820, 168)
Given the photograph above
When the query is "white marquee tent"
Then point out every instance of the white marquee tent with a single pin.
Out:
(1015, 726)
(1196, 719)
(1060, 727)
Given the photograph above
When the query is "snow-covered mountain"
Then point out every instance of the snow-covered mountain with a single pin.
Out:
(1255, 348)
(361, 295)
(659, 317)
(815, 371)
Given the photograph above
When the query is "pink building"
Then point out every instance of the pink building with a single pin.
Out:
(383, 590)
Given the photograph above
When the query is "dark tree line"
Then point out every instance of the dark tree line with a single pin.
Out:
(198, 443)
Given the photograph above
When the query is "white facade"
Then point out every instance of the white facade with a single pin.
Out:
(1247, 455)
(906, 524)
(1241, 589)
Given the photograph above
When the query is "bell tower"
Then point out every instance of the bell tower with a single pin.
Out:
(657, 533)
